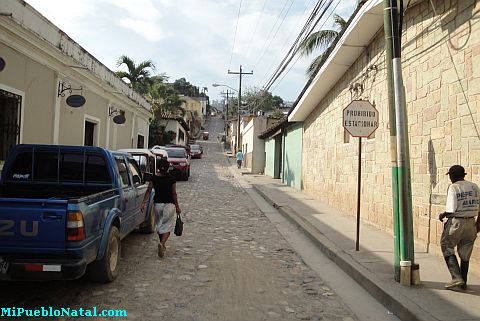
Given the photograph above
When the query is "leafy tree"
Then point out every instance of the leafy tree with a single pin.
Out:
(185, 88)
(258, 99)
(138, 76)
(278, 114)
(165, 100)
(321, 39)
(277, 102)
(158, 135)
(155, 133)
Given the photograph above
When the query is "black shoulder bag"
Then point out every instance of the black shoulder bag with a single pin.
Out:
(178, 226)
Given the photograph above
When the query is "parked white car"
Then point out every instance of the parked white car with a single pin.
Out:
(159, 151)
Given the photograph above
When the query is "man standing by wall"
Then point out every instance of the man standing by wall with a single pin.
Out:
(460, 230)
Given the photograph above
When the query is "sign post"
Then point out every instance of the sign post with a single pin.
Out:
(360, 119)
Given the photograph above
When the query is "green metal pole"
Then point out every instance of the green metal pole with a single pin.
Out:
(403, 155)
(393, 137)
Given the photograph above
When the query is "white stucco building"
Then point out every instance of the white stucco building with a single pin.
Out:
(40, 67)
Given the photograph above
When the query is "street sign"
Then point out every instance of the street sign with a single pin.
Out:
(360, 118)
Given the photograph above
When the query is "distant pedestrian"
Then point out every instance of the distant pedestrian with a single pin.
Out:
(460, 229)
(239, 157)
(165, 202)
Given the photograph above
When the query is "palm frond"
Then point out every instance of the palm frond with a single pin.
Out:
(318, 39)
(339, 21)
(314, 65)
(127, 61)
(146, 64)
(123, 74)
(141, 73)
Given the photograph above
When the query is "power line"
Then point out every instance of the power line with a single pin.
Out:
(294, 50)
(271, 30)
(298, 57)
(235, 35)
(302, 35)
(308, 23)
(286, 44)
(276, 32)
(255, 28)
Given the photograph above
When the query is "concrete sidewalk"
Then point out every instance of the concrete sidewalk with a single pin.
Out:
(372, 266)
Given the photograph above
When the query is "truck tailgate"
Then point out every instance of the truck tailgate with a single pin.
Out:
(32, 225)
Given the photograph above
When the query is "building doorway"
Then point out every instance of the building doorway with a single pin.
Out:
(10, 111)
(140, 141)
(89, 139)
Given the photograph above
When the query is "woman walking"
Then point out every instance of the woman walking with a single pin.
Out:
(165, 202)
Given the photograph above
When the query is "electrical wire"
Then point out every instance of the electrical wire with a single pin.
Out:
(269, 69)
(306, 4)
(264, 48)
(255, 29)
(298, 57)
(307, 26)
(295, 48)
(293, 51)
(235, 35)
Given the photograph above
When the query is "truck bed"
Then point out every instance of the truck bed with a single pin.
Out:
(51, 190)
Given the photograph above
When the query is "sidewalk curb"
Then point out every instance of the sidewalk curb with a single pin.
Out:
(385, 293)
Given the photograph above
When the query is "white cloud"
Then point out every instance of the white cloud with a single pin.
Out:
(190, 38)
(144, 28)
(56, 10)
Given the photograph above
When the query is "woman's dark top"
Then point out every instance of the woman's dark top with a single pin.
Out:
(163, 189)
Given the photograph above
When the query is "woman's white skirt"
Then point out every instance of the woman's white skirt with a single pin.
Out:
(164, 217)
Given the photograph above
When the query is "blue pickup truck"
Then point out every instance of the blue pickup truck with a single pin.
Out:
(64, 210)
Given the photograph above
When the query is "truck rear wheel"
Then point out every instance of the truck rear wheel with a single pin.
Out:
(148, 227)
(106, 269)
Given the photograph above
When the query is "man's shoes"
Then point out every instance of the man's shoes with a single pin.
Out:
(161, 250)
(454, 283)
(464, 287)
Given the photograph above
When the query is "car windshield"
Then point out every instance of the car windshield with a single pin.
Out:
(176, 153)
(195, 147)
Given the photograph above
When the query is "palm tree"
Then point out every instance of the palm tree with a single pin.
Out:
(321, 39)
(165, 100)
(137, 75)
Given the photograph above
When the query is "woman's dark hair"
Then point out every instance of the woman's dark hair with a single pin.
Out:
(163, 165)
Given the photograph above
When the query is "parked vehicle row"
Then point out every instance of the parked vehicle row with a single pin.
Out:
(179, 157)
(196, 151)
(64, 210)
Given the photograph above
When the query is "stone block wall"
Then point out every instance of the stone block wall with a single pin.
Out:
(441, 70)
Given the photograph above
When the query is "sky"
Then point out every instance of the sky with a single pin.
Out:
(199, 40)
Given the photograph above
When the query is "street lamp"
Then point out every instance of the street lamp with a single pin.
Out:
(220, 85)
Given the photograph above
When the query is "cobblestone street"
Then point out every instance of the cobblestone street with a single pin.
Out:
(230, 264)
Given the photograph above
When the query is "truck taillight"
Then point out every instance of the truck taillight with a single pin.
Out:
(75, 227)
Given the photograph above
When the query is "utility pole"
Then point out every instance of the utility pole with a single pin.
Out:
(387, 24)
(240, 73)
(403, 231)
(226, 104)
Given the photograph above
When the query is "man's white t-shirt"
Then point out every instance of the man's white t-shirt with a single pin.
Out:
(463, 199)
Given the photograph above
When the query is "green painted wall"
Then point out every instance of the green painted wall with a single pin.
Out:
(292, 156)
(270, 157)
